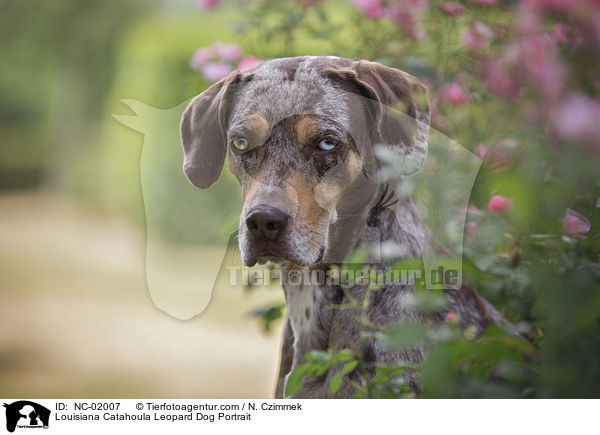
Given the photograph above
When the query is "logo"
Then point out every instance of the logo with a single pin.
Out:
(26, 414)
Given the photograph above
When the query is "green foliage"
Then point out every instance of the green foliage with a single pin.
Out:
(269, 315)
(65, 63)
(544, 280)
(317, 364)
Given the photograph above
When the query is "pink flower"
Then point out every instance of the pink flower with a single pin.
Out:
(501, 80)
(454, 93)
(486, 2)
(228, 52)
(477, 36)
(370, 8)
(452, 317)
(578, 119)
(215, 71)
(307, 3)
(539, 60)
(575, 224)
(452, 9)
(500, 156)
(549, 4)
(406, 16)
(200, 57)
(471, 228)
(247, 63)
(417, 4)
(474, 211)
(559, 34)
(208, 5)
(499, 204)
(481, 151)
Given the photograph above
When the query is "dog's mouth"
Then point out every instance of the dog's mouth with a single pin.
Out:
(263, 252)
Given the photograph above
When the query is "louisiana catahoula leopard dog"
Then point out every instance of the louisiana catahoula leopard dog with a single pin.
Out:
(299, 135)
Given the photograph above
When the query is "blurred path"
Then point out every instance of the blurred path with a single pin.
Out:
(77, 320)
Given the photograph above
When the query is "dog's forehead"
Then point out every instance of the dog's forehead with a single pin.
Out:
(282, 88)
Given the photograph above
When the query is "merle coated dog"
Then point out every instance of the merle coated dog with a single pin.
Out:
(299, 134)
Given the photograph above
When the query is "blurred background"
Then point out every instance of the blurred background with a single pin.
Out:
(515, 82)
(77, 317)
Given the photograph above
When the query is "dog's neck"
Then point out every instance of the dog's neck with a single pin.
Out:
(394, 221)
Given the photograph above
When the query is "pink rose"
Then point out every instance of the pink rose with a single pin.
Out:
(370, 8)
(208, 5)
(559, 34)
(499, 204)
(539, 60)
(577, 119)
(417, 4)
(215, 71)
(471, 228)
(474, 211)
(575, 224)
(406, 17)
(481, 151)
(477, 36)
(501, 80)
(452, 317)
(200, 57)
(500, 156)
(454, 93)
(452, 9)
(228, 52)
(307, 3)
(247, 63)
(549, 4)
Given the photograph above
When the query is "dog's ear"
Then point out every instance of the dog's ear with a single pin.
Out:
(398, 105)
(203, 132)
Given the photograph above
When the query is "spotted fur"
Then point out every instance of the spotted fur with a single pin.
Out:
(333, 200)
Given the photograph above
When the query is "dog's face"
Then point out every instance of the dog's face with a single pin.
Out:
(299, 134)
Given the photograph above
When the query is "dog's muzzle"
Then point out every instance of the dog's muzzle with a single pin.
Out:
(267, 227)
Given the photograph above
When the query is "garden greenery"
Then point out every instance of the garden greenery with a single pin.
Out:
(517, 83)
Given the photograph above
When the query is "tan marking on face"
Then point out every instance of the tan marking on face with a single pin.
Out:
(333, 187)
(309, 209)
(305, 128)
(231, 167)
(251, 187)
(259, 127)
(354, 165)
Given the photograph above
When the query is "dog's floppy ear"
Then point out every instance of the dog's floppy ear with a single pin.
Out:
(203, 133)
(399, 105)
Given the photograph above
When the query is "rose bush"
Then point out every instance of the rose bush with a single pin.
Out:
(518, 83)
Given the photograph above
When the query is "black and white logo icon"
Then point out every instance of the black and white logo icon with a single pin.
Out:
(26, 414)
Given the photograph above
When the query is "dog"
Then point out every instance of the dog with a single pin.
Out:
(299, 135)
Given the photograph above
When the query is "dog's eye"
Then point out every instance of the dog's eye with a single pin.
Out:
(327, 145)
(240, 143)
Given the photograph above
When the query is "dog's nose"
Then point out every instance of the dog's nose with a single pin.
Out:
(266, 222)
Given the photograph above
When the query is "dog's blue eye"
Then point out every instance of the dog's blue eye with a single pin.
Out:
(327, 145)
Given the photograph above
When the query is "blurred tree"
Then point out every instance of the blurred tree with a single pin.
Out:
(57, 64)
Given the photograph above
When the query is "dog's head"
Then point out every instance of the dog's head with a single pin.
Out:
(299, 133)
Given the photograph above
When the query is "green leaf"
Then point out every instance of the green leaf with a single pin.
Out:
(405, 335)
(294, 380)
(336, 383)
(357, 259)
(269, 315)
(349, 367)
